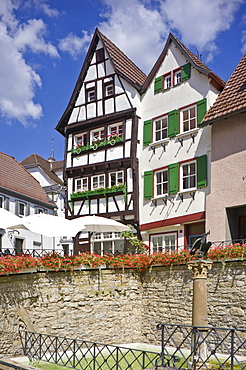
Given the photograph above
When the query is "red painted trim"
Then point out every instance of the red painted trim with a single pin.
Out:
(172, 221)
(187, 106)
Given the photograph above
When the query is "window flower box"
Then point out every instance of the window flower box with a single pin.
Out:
(111, 140)
(104, 191)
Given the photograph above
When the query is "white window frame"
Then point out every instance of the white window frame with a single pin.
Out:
(156, 183)
(81, 139)
(162, 247)
(111, 237)
(167, 81)
(177, 77)
(100, 135)
(189, 176)
(109, 89)
(81, 184)
(118, 176)
(90, 92)
(189, 118)
(100, 181)
(116, 128)
(162, 129)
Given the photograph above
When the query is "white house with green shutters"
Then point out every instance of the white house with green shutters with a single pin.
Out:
(175, 157)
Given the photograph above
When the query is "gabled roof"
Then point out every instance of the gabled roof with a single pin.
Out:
(14, 177)
(49, 168)
(232, 99)
(121, 63)
(191, 58)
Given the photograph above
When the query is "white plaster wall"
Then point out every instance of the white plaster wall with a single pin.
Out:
(40, 176)
(228, 173)
(114, 153)
(80, 160)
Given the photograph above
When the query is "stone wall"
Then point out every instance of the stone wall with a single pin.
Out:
(111, 306)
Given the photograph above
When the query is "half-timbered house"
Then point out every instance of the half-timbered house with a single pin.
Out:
(100, 125)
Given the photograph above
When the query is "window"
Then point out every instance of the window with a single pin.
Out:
(161, 185)
(97, 134)
(116, 178)
(39, 210)
(1, 202)
(167, 81)
(161, 128)
(81, 184)
(21, 209)
(108, 87)
(100, 55)
(116, 128)
(188, 175)
(81, 139)
(163, 243)
(107, 243)
(188, 118)
(90, 92)
(177, 77)
(98, 182)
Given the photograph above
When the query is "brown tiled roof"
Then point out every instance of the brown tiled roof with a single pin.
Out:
(192, 58)
(14, 177)
(233, 98)
(122, 63)
(198, 61)
(48, 167)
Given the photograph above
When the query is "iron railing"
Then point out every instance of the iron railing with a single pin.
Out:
(44, 252)
(203, 348)
(85, 355)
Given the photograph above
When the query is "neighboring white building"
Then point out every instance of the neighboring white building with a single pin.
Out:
(49, 174)
(21, 194)
(175, 154)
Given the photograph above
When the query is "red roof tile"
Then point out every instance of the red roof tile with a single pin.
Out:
(48, 167)
(14, 177)
(122, 63)
(233, 98)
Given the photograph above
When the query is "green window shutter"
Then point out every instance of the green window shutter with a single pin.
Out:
(173, 123)
(201, 110)
(173, 173)
(185, 72)
(147, 132)
(148, 184)
(158, 85)
(202, 171)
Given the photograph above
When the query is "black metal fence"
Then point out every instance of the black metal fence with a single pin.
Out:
(85, 355)
(182, 347)
(203, 348)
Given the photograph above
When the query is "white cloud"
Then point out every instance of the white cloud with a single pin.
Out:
(73, 44)
(200, 22)
(243, 40)
(137, 29)
(18, 79)
(30, 36)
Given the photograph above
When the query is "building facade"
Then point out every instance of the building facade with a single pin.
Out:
(176, 151)
(226, 202)
(135, 151)
(21, 194)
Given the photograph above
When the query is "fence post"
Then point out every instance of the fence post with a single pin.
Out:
(232, 349)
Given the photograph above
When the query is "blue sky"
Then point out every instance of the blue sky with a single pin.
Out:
(43, 44)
